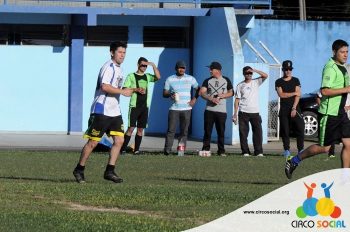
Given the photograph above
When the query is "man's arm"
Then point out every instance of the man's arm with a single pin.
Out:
(297, 97)
(261, 73)
(112, 90)
(234, 117)
(155, 69)
(203, 93)
(335, 92)
(282, 94)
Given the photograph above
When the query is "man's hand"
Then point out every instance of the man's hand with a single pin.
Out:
(346, 108)
(140, 90)
(215, 100)
(293, 113)
(127, 92)
(192, 102)
(234, 119)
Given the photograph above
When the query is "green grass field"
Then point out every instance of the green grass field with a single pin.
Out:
(38, 192)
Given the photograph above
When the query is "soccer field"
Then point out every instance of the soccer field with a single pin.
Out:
(159, 193)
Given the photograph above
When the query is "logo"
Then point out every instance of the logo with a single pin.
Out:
(323, 206)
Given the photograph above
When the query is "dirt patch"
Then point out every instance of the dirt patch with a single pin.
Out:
(79, 207)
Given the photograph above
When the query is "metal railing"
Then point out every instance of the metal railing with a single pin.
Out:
(197, 3)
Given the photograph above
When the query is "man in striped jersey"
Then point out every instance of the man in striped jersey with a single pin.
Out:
(105, 114)
(178, 87)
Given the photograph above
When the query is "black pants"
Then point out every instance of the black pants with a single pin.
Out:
(298, 125)
(219, 118)
(255, 121)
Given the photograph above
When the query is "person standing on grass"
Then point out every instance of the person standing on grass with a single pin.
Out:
(334, 121)
(105, 114)
(289, 90)
(140, 101)
(178, 87)
(247, 102)
(215, 90)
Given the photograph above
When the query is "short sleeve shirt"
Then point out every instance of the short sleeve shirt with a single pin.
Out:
(248, 93)
(183, 86)
(334, 77)
(134, 80)
(104, 103)
(216, 86)
(287, 87)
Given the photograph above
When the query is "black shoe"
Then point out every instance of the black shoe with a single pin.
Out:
(289, 168)
(166, 153)
(79, 176)
(112, 176)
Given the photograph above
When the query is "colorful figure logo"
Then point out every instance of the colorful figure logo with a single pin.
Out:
(313, 206)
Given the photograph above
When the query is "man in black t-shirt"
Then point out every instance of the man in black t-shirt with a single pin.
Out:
(288, 89)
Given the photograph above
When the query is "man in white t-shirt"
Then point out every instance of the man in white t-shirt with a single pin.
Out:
(105, 114)
(247, 107)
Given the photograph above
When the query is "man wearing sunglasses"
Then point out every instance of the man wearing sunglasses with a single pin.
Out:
(178, 88)
(139, 101)
(247, 106)
(289, 90)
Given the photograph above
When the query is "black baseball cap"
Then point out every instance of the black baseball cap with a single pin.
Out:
(215, 65)
(287, 64)
(180, 64)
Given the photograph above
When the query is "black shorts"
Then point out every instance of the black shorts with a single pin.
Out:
(100, 124)
(138, 117)
(333, 129)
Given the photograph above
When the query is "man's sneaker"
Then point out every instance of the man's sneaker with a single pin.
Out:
(331, 156)
(260, 155)
(289, 168)
(166, 153)
(246, 155)
(222, 154)
(79, 176)
(286, 153)
(137, 153)
(112, 176)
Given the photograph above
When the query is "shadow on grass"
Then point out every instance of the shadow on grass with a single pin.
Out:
(221, 181)
(37, 179)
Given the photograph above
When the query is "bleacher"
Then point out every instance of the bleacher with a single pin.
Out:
(250, 4)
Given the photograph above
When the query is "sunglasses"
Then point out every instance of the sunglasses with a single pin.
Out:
(287, 69)
(248, 73)
(143, 65)
(181, 67)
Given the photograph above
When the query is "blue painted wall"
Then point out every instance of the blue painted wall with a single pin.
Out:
(216, 39)
(164, 58)
(34, 88)
(306, 43)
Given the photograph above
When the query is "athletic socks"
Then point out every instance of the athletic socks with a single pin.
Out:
(79, 167)
(110, 168)
(126, 142)
(296, 159)
(138, 140)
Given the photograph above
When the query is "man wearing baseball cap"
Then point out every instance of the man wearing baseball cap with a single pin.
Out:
(178, 87)
(215, 90)
(289, 90)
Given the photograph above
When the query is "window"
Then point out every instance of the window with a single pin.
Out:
(104, 35)
(168, 37)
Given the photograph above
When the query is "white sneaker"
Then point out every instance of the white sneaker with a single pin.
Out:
(260, 155)
(286, 153)
(246, 155)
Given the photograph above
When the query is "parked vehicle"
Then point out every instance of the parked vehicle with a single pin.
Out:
(309, 108)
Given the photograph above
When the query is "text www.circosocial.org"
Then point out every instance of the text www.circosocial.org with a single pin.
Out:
(257, 212)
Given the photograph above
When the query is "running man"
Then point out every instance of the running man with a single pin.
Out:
(140, 101)
(334, 123)
(105, 114)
